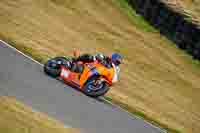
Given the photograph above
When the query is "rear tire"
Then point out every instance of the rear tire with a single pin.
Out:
(52, 67)
(95, 93)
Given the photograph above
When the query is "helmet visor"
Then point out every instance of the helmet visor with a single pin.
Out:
(117, 62)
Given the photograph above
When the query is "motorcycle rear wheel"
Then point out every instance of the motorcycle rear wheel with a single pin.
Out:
(52, 66)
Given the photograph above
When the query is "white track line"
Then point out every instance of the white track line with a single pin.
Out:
(130, 114)
(10, 46)
(135, 116)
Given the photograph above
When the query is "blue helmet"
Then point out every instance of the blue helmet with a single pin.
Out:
(116, 58)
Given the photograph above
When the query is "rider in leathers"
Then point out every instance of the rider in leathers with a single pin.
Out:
(110, 62)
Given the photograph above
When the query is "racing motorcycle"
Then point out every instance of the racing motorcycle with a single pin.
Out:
(94, 79)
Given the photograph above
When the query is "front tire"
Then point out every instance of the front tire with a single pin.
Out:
(96, 92)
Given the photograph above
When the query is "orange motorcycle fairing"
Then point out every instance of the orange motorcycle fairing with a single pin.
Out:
(90, 70)
(70, 77)
(96, 69)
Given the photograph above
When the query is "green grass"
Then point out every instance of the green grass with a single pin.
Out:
(136, 19)
(108, 98)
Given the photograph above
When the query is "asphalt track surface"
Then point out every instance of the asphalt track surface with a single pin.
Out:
(24, 79)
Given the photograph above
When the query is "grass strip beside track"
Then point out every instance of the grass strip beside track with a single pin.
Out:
(18, 118)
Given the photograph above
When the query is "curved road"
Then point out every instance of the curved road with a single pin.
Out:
(24, 79)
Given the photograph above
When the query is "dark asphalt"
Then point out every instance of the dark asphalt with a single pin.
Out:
(24, 79)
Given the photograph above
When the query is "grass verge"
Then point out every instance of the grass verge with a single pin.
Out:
(136, 19)
(143, 116)
(18, 118)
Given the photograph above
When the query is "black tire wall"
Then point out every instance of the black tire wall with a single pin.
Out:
(175, 25)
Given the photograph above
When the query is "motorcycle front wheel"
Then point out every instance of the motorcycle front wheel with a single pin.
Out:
(94, 87)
